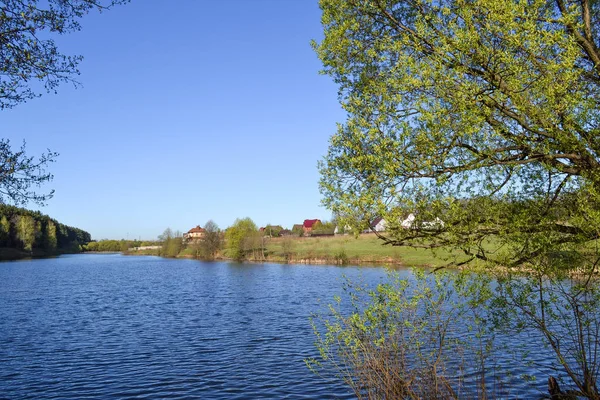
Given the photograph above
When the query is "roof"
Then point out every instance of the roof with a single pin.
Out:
(308, 223)
(297, 226)
(375, 222)
(197, 229)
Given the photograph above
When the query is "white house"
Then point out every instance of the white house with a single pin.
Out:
(408, 223)
(379, 225)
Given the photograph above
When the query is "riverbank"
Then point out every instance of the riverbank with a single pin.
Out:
(12, 254)
(366, 249)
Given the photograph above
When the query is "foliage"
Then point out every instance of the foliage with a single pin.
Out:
(26, 231)
(563, 310)
(273, 230)
(35, 232)
(172, 243)
(211, 242)
(18, 173)
(323, 228)
(483, 114)
(288, 248)
(30, 59)
(28, 53)
(115, 245)
(452, 100)
(297, 230)
(399, 340)
(238, 237)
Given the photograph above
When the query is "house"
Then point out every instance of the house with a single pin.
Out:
(408, 223)
(378, 225)
(194, 233)
(308, 224)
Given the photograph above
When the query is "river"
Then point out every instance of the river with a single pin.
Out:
(99, 326)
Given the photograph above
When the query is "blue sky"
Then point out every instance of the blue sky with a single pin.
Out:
(190, 110)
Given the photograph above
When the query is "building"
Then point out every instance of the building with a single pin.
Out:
(308, 225)
(378, 225)
(194, 233)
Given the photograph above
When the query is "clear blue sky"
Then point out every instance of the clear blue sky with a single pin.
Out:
(190, 110)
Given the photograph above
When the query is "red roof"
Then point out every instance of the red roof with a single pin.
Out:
(197, 229)
(308, 223)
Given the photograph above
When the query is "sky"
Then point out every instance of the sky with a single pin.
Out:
(189, 110)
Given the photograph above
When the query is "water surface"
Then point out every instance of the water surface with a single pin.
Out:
(95, 326)
(99, 326)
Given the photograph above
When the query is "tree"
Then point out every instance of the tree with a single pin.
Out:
(211, 242)
(483, 114)
(237, 238)
(451, 100)
(26, 231)
(28, 54)
(172, 242)
(18, 173)
(50, 241)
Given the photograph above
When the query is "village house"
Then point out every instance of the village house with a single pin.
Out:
(308, 225)
(378, 225)
(194, 234)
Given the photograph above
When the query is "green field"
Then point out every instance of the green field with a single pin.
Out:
(367, 248)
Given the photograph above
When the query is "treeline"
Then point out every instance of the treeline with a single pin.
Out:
(37, 234)
(117, 245)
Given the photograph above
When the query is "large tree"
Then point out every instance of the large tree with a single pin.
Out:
(482, 119)
(482, 113)
(30, 62)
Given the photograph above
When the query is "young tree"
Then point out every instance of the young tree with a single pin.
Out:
(483, 114)
(172, 243)
(211, 242)
(236, 238)
(26, 231)
(50, 241)
(4, 230)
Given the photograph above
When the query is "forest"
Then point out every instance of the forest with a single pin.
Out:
(31, 233)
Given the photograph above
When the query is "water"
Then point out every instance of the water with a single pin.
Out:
(99, 326)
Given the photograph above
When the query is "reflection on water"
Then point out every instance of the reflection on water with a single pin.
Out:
(115, 326)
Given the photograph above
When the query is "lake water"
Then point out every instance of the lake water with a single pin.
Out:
(99, 326)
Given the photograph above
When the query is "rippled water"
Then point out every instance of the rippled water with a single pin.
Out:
(95, 326)
(98, 326)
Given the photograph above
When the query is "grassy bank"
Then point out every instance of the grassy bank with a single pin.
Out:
(366, 249)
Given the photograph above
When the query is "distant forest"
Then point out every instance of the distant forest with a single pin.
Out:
(34, 233)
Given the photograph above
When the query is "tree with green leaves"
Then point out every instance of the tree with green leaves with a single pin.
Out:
(172, 243)
(238, 238)
(481, 119)
(211, 242)
(26, 231)
(27, 51)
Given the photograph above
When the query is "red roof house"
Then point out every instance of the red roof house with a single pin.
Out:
(194, 233)
(309, 223)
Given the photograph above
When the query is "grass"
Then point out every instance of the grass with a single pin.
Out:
(367, 248)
